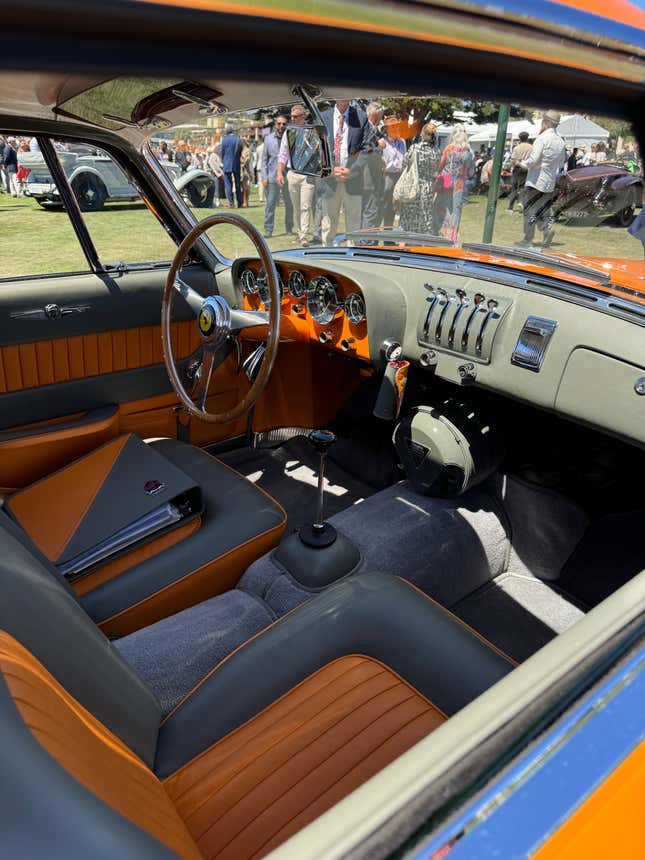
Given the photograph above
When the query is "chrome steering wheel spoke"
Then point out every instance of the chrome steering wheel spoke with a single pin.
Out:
(199, 391)
(192, 297)
(247, 319)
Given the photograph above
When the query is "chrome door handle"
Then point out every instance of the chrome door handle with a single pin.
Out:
(49, 312)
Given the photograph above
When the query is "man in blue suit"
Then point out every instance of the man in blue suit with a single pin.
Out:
(347, 129)
(231, 164)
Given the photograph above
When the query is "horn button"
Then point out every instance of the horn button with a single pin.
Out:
(214, 320)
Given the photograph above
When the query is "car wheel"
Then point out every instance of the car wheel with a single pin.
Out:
(89, 191)
(201, 195)
(625, 217)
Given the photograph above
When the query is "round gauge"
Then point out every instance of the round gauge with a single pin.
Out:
(297, 284)
(355, 308)
(263, 288)
(249, 282)
(322, 300)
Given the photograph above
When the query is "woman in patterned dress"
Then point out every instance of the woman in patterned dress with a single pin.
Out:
(457, 165)
(417, 216)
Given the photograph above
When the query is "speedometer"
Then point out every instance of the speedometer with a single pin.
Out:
(322, 301)
(297, 284)
(263, 288)
(355, 308)
(249, 282)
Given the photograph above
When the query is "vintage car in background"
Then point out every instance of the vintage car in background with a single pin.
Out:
(600, 191)
(96, 180)
(311, 550)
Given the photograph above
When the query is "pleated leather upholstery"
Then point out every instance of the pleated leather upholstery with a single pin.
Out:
(262, 783)
(88, 751)
(30, 365)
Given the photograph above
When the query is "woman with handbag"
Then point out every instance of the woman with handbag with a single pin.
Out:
(457, 165)
(423, 158)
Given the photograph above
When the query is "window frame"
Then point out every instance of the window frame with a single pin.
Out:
(164, 203)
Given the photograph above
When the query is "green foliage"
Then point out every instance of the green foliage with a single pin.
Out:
(441, 109)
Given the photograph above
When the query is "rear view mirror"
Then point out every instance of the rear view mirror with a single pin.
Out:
(309, 150)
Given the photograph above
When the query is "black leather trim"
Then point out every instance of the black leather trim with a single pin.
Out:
(235, 510)
(47, 814)
(373, 614)
(316, 568)
(93, 416)
(39, 610)
(93, 392)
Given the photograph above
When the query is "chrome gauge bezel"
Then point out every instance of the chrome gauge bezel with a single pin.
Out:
(355, 308)
(325, 315)
(263, 288)
(297, 291)
(249, 282)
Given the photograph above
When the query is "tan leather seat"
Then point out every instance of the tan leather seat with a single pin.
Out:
(269, 739)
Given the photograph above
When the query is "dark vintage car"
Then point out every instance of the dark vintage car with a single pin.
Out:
(328, 549)
(600, 191)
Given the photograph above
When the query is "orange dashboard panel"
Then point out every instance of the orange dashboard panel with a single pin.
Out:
(315, 306)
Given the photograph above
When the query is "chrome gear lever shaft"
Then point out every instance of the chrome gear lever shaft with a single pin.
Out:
(319, 533)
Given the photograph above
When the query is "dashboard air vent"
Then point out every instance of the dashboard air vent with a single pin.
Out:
(459, 322)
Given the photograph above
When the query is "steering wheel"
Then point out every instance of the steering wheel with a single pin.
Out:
(219, 324)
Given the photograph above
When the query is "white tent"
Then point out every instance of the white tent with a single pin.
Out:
(576, 130)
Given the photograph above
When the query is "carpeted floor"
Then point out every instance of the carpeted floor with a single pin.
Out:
(290, 474)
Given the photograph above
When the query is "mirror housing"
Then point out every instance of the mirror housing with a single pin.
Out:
(309, 150)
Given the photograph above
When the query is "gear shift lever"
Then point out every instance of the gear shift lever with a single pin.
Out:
(319, 533)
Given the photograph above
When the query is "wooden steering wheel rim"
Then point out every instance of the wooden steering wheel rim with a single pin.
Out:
(273, 332)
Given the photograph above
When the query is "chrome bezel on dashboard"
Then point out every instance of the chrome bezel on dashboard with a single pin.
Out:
(355, 308)
(263, 288)
(327, 315)
(297, 283)
(249, 282)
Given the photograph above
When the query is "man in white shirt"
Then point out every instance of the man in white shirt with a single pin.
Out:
(544, 164)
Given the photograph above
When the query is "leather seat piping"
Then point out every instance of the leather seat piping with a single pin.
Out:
(463, 624)
(292, 690)
(278, 620)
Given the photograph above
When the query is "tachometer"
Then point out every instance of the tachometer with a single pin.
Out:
(249, 282)
(355, 308)
(263, 287)
(322, 301)
(297, 284)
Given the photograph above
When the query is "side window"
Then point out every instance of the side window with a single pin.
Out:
(37, 236)
(119, 222)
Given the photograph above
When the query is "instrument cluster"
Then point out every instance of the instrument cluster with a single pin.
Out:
(322, 296)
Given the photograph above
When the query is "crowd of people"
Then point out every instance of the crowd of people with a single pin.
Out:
(13, 176)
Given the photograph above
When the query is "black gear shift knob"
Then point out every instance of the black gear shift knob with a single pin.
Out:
(322, 440)
(320, 534)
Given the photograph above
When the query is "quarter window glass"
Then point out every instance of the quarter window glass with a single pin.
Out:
(120, 224)
(37, 236)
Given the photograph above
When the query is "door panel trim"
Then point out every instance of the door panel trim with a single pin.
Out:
(34, 365)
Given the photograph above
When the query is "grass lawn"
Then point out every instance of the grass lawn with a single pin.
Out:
(37, 241)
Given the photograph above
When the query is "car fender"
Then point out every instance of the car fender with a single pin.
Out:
(83, 168)
(186, 178)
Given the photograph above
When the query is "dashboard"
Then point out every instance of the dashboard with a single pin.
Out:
(315, 304)
(546, 342)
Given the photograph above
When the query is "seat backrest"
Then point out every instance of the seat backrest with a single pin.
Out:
(40, 612)
(71, 788)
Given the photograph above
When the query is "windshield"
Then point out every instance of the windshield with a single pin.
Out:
(430, 173)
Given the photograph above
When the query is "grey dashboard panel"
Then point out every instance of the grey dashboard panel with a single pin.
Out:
(594, 386)
(396, 290)
(103, 303)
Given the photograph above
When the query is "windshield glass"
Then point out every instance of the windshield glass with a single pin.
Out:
(430, 173)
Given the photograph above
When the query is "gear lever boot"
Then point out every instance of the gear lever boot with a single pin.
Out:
(320, 534)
